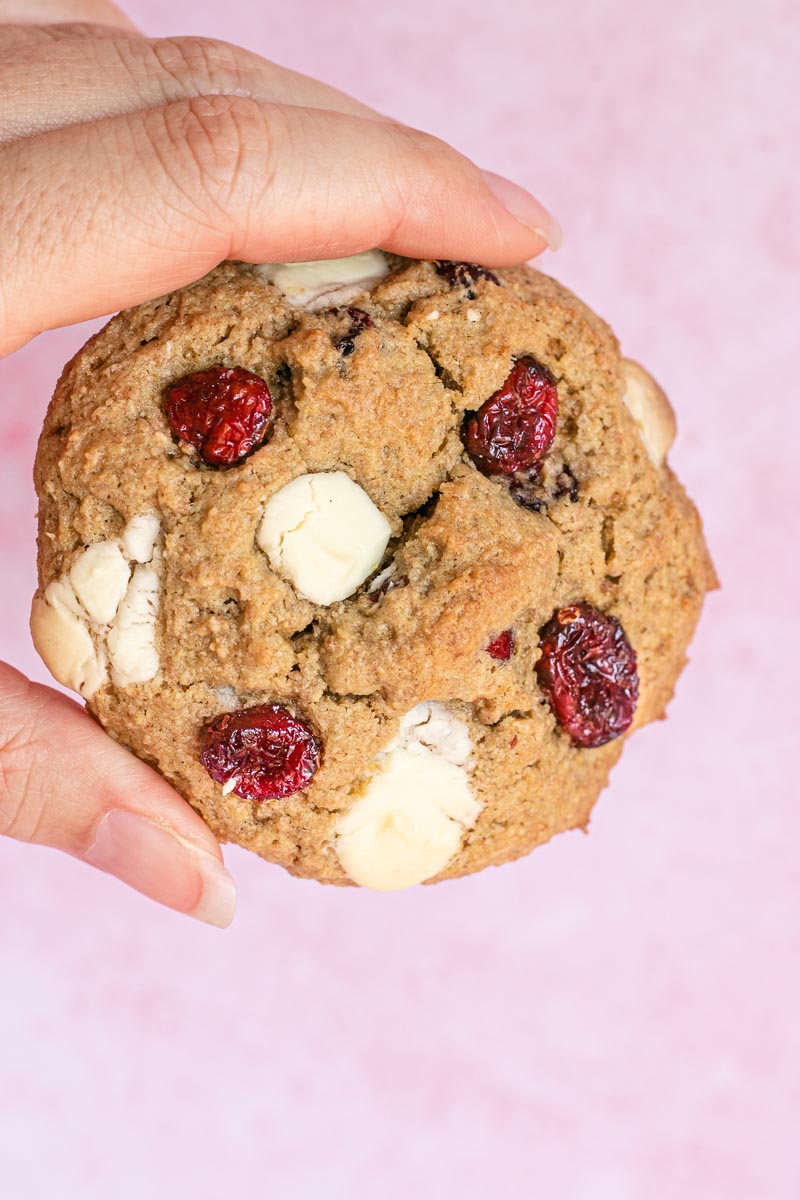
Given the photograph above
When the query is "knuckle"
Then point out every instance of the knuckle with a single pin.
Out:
(201, 65)
(222, 113)
(224, 142)
(179, 68)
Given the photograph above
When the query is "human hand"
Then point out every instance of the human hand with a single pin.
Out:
(129, 167)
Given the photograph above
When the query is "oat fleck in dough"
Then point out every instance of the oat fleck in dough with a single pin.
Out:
(433, 568)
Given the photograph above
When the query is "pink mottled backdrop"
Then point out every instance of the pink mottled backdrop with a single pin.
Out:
(617, 1018)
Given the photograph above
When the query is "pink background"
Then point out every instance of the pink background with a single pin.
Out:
(617, 1017)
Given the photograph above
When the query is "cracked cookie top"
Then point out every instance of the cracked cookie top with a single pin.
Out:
(369, 486)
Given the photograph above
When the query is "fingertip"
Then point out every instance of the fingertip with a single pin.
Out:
(526, 210)
(164, 866)
(217, 904)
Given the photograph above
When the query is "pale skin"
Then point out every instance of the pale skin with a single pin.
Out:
(130, 166)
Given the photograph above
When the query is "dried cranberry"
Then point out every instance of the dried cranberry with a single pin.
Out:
(588, 672)
(360, 321)
(462, 274)
(501, 647)
(223, 412)
(269, 752)
(514, 428)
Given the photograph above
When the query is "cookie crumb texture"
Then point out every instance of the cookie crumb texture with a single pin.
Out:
(336, 639)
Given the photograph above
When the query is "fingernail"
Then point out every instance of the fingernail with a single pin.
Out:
(163, 866)
(525, 208)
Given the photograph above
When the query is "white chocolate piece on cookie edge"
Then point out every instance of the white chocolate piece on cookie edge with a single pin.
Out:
(63, 641)
(99, 603)
(324, 534)
(326, 282)
(409, 819)
(650, 409)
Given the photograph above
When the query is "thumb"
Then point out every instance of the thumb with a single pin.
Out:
(108, 214)
(64, 783)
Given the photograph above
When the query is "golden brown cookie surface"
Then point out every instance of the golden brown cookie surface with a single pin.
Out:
(354, 569)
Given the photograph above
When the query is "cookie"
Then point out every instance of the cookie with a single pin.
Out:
(377, 561)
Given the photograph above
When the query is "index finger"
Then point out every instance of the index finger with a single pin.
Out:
(53, 12)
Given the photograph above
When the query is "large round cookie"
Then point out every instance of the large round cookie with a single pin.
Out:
(377, 561)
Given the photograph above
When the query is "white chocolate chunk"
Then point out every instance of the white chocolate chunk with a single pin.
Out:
(69, 623)
(408, 823)
(326, 282)
(324, 534)
(100, 578)
(650, 409)
(132, 640)
(433, 725)
(140, 537)
(409, 818)
(63, 641)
